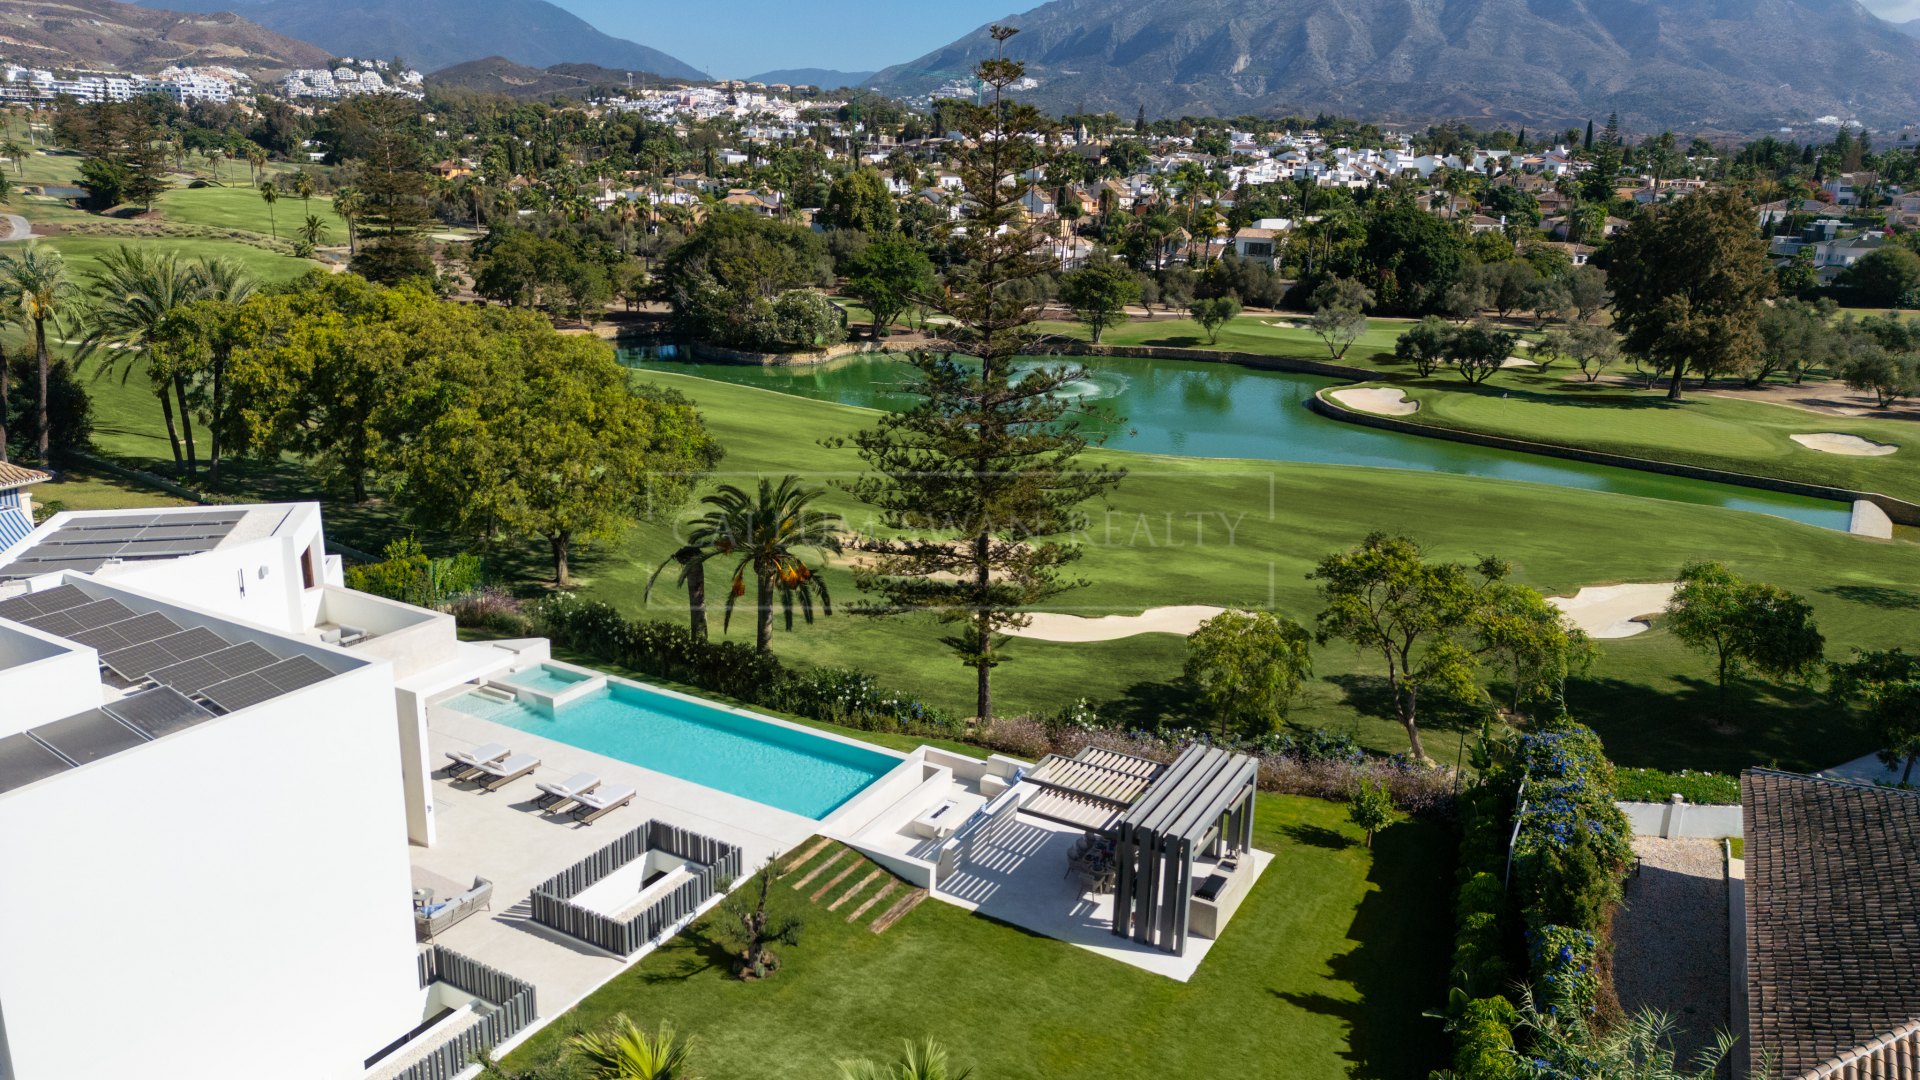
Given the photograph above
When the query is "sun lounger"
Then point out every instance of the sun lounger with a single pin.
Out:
(554, 795)
(501, 773)
(468, 763)
(600, 801)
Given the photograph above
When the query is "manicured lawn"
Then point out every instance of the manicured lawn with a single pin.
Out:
(242, 208)
(1651, 699)
(1722, 433)
(78, 489)
(83, 253)
(1324, 972)
(1282, 334)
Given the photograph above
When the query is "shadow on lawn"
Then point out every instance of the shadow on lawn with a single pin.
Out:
(1397, 969)
(1880, 596)
(1317, 836)
(1683, 724)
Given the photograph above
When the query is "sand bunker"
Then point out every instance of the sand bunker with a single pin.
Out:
(1519, 361)
(1615, 611)
(1828, 442)
(1384, 400)
(1182, 620)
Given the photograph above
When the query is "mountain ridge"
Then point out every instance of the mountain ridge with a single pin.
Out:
(824, 78)
(116, 36)
(498, 75)
(1697, 63)
(436, 34)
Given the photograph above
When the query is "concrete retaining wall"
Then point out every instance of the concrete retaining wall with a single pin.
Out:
(720, 355)
(1680, 819)
(1899, 510)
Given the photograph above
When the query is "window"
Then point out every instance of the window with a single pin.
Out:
(309, 568)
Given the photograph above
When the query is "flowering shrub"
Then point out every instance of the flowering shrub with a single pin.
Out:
(1699, 788)
(494, 609)
(1562, 963)
(855, 699)
(1573, 843)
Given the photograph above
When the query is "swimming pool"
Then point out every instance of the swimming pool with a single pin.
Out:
(545, 678)
(784, 767)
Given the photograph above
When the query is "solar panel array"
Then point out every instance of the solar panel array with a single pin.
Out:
(266, 684)
(88, 542)
(156, 712)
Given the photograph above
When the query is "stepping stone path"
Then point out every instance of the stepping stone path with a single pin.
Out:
(835, 876)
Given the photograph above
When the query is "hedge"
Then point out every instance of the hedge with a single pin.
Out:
(1699, 788)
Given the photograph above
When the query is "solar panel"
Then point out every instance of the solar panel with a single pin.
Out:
(85, 543)
(157, 712)
(266, 684)
(23, 761)
(134, 631)
(85, 617)
(18, 609)
(89, 736)
(48, 601)
(108, 521)
(188, 644)
(195, 675)
(134, 662)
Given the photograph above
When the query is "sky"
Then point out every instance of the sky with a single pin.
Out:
(737, 38)
(733, 39)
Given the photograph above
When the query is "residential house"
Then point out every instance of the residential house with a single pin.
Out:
(16, 505)
(1831, 950)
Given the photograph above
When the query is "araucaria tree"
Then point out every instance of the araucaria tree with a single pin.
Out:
(391, 176)
(1690, 281)
(980, 477)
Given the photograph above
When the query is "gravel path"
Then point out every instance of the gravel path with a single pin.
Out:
(14, 227)
(1670, 940)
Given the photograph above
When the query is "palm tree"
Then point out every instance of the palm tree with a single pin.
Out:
(924, 1060)
(349, 203)
(137, 288)
(11, 148)
(766, 530)
(36, 283)
(313, 230)
(270, 194)
(624, 1052)
(303, 189)
(225, 281)
(692, 560)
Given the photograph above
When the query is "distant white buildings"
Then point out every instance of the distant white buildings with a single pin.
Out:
(183, 84)
(348, 78)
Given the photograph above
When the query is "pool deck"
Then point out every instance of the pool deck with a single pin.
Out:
(502, 837)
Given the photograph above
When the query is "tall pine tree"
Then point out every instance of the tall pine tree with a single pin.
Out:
(391, 177)
(980, 477)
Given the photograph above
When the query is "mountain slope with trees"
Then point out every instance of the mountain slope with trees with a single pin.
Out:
(1730, 64)
(105, 34)
(433, 34)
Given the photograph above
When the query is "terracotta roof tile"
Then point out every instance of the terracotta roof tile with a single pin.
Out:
(1833, 914)
(14, 476)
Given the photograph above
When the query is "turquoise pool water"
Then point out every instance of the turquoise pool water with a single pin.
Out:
(547, 680)
(783, 767)
(1200, 409)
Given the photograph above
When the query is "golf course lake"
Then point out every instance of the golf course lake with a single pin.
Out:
(1219, 410)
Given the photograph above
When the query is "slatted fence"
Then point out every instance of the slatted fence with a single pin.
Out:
(513, 1009)
(552, 900)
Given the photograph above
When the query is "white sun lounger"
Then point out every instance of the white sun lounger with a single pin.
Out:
(468, 763)
(601, 801)
(501, 773)
(554, 795)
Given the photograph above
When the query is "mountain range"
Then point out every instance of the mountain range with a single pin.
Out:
(104, 34)
(824, 78)
(433, 34)
(1737, 65)
(1910, 27)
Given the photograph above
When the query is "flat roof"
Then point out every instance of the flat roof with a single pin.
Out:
(87, 542)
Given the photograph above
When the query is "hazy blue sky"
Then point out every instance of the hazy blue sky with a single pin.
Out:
(737, 38)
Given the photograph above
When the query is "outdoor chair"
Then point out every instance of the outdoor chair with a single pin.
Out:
(555, 795)
(505, 771)
(436, 918)
(468, 764)
(600, 802)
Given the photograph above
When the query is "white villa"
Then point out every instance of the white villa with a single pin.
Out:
(277, 827)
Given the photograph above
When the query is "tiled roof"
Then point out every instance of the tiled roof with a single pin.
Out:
(14, 476)
(1833, 915)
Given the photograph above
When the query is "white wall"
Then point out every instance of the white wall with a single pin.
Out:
(42, 679)
(160, 903)
(1681, 819)
(257, 581)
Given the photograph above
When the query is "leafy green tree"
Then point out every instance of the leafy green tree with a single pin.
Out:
(1587, 292)
(750, 931)
(766, 532)
(1533, 643)
(723, 281)
(1370, 807)
(1890, 376)
(1794, 336)
(1887, 684)
(1410, 255)
(888, 275)
(1386, 599)
(1887, 276)
(1339, 314)
(980, 476)
(1743, 625)
(36, 284)
(1690, 281)
(623, 1051)
(1246, 669)
(1098, 294)
(1212, 313)
(923, 1060)
(1477, 352)
(860, 200)
(105, 183)
(1424, 345)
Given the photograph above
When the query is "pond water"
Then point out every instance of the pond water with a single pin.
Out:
(1194, 408)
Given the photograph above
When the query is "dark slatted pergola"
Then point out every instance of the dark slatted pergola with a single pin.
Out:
(1203, 802)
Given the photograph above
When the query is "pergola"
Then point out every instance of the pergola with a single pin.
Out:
(1202, 803)
(1090, 790)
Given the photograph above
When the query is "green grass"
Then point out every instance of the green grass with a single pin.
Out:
(83, 253)
(77, 489)
(1737, 847)
(1327, 968)
(1254, 333)
(242, 208)
(1722, 433)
